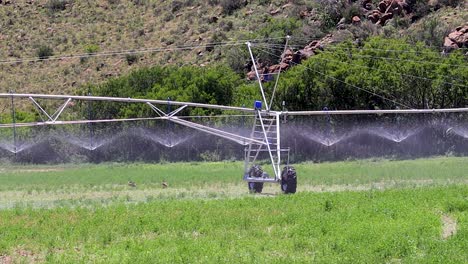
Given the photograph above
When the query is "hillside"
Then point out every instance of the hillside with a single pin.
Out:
(39, 29)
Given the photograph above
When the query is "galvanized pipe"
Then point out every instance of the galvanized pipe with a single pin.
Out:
(375, 112)
(124, 100)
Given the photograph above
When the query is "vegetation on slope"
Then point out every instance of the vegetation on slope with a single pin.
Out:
(40, 29)
(380, 74)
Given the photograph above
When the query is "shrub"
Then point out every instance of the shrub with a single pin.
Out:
(226, 26)
(420, 8)
(452, 3)
(329, 13)
(131, 58)
(176, 5)
(350, 11)
(432, 32)
(44, 52)
(57, 5)
(229, 6)
(236, 58)
(91, 48)
(213, 2)
(140, 2)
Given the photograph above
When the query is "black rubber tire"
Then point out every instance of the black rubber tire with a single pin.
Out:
(288, 180)
(289, 185)
(257, 172)
(255, 187)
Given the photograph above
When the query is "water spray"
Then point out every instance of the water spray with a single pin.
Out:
(90, 125)
(13, 118)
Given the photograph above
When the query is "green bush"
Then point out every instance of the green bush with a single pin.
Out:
(452, 3)
(140, 2)
(57, 5)
(131, 58)
(329, 13)
(414, 75)
(229, 6)
(44, 52)
(350, 11)
(212, 85)
(432, 32)
(91, 48)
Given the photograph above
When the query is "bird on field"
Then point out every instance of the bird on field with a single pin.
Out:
(164, 184)
(131, 184)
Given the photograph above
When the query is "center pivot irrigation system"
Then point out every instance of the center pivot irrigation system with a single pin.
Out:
(264, 137)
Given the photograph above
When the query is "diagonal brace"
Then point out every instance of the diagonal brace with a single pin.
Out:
(157, 110)
(173, 113)
(216, 132)
(57, 113)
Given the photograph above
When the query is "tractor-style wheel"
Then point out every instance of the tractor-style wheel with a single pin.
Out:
(288, 180)
(255, 187)
(255, 172)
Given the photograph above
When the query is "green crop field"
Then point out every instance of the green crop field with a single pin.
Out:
(369, 211)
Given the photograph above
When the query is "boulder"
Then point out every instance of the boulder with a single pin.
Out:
(463, 29)
(356, 20)
(457, 38)
(276, 11)
(365, 2)
(449, 43)
(289, 58)
(274, 68)
(386, 10)
(283, 66)
(341, 23)
(374, 16)
(306, 53)
(251, 75)
(296, 59)
(304, 13)
(383, 6)
(385, 18)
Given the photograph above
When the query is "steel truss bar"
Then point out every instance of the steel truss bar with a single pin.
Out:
(60, 110)
(278, 146)
(213, 131)
(71, 122)
(125, 100)
(268, 145)
(253, 179)
(279, 72)
(155, 109)
(173, 113)
(76, 122)
(57, 113)
(258, 76)
(38, 106)
(377, 112)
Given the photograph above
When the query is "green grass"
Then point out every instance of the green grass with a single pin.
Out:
(402, 225)
(368, 211)
(90, 184)
(205, 173)
(367, 171)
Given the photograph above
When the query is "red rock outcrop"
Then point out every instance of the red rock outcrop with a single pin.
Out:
(290, 58)
(457, 38)
(386, 10)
